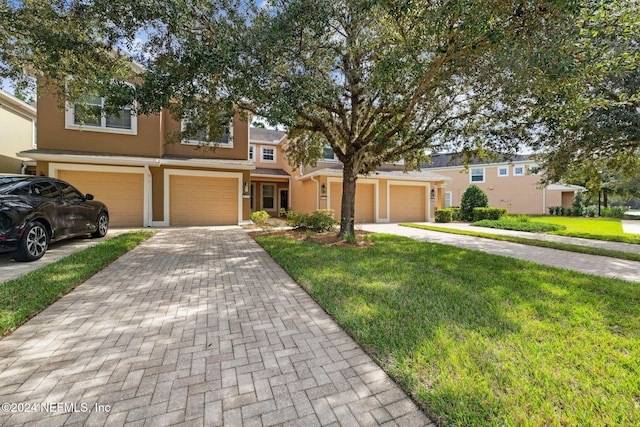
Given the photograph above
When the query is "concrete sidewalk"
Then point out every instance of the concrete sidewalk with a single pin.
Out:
(196, 326)
(584, 263)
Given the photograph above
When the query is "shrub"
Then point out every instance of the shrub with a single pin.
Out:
(444, 215)
(319, 221)
(260, 218)
(614, 212)
(488, 213)
(516, 218)
(591, 211)
(473, 197)
(533, 227)
(578, 207)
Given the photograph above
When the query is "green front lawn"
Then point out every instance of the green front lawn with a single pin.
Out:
(26, 296)
(590, 228)
(479, 339)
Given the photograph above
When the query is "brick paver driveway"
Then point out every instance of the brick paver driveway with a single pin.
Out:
(197, 326)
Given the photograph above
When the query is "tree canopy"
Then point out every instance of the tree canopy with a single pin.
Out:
(375, 80)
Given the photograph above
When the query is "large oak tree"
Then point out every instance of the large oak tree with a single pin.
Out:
(375, 80)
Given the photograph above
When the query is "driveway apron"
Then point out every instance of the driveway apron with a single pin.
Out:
(196, 326)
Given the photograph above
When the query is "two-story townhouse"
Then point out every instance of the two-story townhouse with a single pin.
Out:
(390, 194)
(270, 180)
(509, 183)
(126, 161)
(18, 133)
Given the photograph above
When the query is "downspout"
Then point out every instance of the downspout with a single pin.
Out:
(544, 200)
(317, 192)
(23, 169)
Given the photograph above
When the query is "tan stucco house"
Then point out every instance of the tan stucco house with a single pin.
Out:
(17, 133)
(511, 183)
(126, 161)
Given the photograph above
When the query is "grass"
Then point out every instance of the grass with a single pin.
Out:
(479, 339)
(534, 242)
(26, 296)
(609, 229)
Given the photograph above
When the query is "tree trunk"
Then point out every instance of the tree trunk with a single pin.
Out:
(347, 216)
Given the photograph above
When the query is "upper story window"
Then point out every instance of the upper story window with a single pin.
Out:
(95, 119)
(476, 175)
(328, 155)
(518, 170)
(252, 152)
(204, 137)
(503, 171)
(268, 154)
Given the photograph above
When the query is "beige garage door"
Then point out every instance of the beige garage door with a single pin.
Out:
(365, 201)
(199, 200)
(123, 193)
(408, 203)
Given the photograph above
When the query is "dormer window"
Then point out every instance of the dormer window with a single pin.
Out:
(95, 119)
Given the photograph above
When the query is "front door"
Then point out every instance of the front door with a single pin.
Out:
(284, 200)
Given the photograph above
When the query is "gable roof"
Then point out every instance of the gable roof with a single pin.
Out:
(269, 136)
(450, 160)
(11, 102)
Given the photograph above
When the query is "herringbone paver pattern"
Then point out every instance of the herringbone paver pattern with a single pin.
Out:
(198, 326)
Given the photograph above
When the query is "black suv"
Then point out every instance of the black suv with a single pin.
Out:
(36, 210)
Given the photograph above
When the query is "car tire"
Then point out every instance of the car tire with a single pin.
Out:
(33, 243)
(102, 226)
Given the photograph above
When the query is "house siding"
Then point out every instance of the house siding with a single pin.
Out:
(518, 194)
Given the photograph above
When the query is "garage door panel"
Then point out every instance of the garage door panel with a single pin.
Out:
(123, 193)
(365, 201)
(197, 200)
(408, 203)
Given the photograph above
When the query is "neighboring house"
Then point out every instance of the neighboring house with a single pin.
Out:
(511, 183)
(125, 161)
(388, 195)
(17, 133)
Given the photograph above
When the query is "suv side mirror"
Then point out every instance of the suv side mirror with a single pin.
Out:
(88, 196)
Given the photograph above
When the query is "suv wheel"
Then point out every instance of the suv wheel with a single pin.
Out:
(33, 244)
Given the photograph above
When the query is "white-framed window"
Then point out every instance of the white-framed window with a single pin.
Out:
(124, 121)
(328, 155)
(448, 196)
(503, 171)
(252, 152)
(268, 154)
(225, 141)
(476, 175)
(268, 196)
(518, 170)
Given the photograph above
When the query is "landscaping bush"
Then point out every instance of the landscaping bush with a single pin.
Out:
(533, 227)
(260, 218)
(590, 211)
(578, 207)
(494, 214)
(614, 212)
(319, 221)
(516, 218)
(473, 197)
(444, 215)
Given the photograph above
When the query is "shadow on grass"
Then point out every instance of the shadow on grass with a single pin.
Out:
(477, 338)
